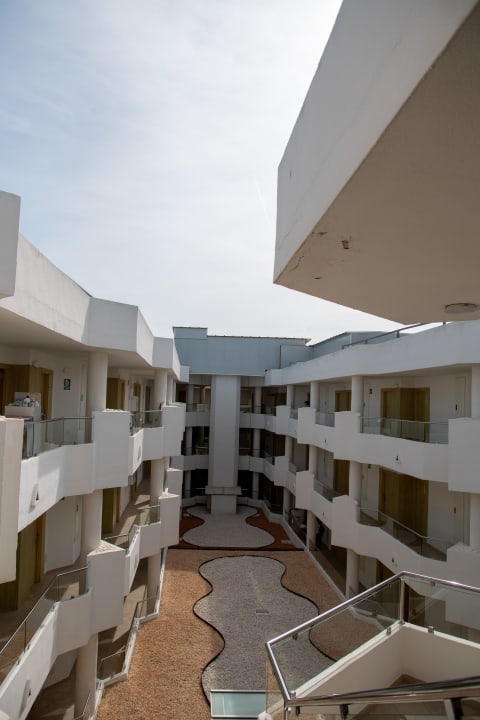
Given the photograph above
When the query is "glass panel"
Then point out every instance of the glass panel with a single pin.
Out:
(12, 650)
(325, 418)
(306, 653)
(445, 609)
(430, 432)
(38, 437)
(327, 492)
(435, 548)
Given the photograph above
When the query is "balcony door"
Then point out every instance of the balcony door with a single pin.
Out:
(406, 412)
(405, 499)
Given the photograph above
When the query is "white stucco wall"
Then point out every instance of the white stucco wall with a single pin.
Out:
(224, 427)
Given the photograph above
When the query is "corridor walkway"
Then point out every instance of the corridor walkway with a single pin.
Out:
(167, 672)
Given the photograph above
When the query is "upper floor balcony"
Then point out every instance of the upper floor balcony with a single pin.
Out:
(77, 604)
(197, 415)
(445, 451)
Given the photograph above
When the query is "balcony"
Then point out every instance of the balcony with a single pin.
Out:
(434, 548)
(426, 432)
(325, 418)
(44, 435)
(65, 586)
(145, 419)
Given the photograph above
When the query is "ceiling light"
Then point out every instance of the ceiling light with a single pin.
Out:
(460, 308)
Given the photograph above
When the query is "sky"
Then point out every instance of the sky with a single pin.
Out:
(144, 137)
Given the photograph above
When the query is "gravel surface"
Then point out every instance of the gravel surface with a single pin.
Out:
(226, 530)
(173, 651)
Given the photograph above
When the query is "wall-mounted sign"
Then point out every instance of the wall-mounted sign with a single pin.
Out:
(67, 384)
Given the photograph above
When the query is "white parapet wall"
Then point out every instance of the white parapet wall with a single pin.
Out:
(11, 434)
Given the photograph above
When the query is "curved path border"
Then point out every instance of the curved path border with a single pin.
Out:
(248, 605)
(227, 530)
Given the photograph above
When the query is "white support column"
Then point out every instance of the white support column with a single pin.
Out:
(187, 484)
(86, 663)
(355, 480)
(312, 459)
(311, 529)
(474, 540)
(257, 399)
(351, 582)
(159, 388)
(157, 482)
(475, 396)
(257, 402)
(357, 394)
(315, 395)
(169, 389)
(97, 381)
(290, 393)
(86, 676)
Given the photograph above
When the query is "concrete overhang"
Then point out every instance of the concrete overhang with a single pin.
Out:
(378, 191)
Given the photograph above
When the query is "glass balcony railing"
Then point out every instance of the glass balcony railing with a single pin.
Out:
(294, 413)
(146, 516)
(435, 548)
(325, 418)
(38, 437)
(269, 410)
(427, 432)
(198, 407)
(196, 450)
(65, 586)
(325, 490)
(145, 419)
(303, 653)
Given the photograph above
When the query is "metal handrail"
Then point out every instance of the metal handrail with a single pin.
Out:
(397, 332)
(310, 624)
(424, 538)
(418, 692)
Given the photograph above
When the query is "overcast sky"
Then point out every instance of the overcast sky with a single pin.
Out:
(144, 136)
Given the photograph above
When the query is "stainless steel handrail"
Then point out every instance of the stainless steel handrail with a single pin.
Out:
(418, 692)
(309, 624)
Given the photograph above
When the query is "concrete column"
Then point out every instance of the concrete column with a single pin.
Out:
(474, 540)
(286, 504)
(154, 568)
(288, 447)
(86, 664)
(190, 394)
(355, 480)
(255, 485)
(475, 399)
(312, 459)
(357, 394)
(315, 395)
(169, 390)
(257, 399)
(256, 448)
(188, 439)
(311, 529)
(351, 582)
(97, 381)
(86, 676)
(91, 523)
(157, 480)
(290, 393)
(159, 388)
(187, 484)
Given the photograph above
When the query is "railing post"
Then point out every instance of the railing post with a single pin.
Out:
(401, 609)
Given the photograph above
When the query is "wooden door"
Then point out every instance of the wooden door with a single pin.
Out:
(405, 499)
(341, 469)
(343, 400)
